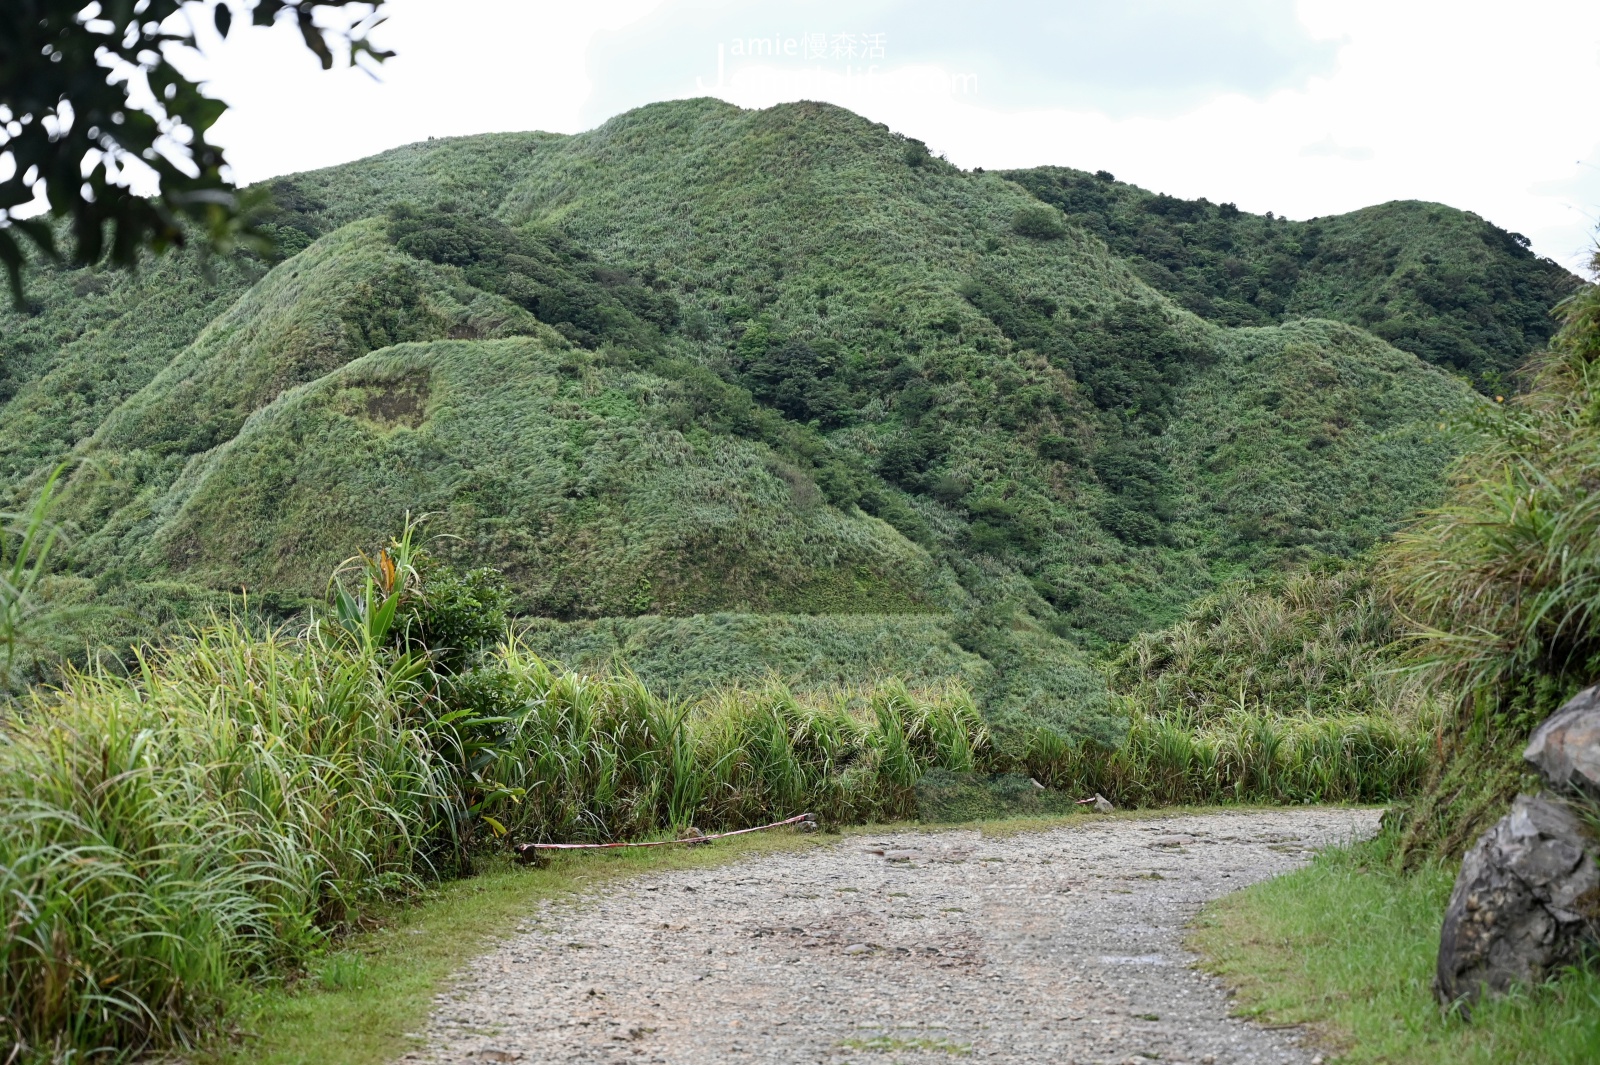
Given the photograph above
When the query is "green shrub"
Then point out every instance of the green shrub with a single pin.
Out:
(1038, 222)
(455, 614)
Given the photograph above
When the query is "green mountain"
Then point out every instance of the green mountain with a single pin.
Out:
(1443, 284)
(773, 387)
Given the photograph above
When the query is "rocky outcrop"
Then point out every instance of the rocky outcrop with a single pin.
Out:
(1526, 903)
(1566, 748)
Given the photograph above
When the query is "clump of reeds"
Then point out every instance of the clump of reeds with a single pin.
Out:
(561, 755)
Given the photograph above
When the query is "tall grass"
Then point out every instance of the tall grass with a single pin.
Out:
(1243, 755)
(214, 816)
(1504, 580)
(242, 796)
(26, 540)
(1502, 584)
(559, 755)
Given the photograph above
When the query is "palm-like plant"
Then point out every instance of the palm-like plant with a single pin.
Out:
(384, 581)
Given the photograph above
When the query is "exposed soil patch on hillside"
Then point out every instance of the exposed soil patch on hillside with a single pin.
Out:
(1060, 946)
(391, 404)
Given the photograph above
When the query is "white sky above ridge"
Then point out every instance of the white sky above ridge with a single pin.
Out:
(1302, 108)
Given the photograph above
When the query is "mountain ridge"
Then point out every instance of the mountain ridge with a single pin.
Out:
(779, 363)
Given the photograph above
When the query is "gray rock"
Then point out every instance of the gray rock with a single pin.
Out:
(1525, 904)
(1566, 748)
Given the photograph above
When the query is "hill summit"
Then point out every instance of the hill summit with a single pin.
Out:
(725, 391)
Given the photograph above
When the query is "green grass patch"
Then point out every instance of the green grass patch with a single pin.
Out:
(888, 1044)
(1347, 946)
(365, 1001)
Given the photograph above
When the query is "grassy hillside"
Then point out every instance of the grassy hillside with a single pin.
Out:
(703, 652)
(92, 340)
(703, 361)
(1444, 284)
(1309, 644)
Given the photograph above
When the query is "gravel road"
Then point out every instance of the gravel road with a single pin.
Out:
(914, 947)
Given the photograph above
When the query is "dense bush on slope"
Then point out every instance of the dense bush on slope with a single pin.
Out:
(767, 365)
(1308, 644)
(1286, 688)
(1443, 284)
(689, 656)
(1501, 581)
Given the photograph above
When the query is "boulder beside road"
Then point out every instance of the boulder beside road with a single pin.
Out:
(1526, 903)
(1566, 748)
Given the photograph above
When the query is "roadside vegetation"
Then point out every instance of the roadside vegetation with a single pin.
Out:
(241, 797)
(1496, 590)
(223, 814)
(1347, 948)
(1500, 582)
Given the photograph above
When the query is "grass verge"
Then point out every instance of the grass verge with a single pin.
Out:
(357, 1005)
(1347, 947)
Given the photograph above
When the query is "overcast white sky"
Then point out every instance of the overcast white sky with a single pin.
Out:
(1302, 108)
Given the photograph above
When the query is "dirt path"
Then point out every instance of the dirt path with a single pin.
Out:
(1059, 947)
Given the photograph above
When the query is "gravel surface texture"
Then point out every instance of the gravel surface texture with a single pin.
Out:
(1063, 946)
